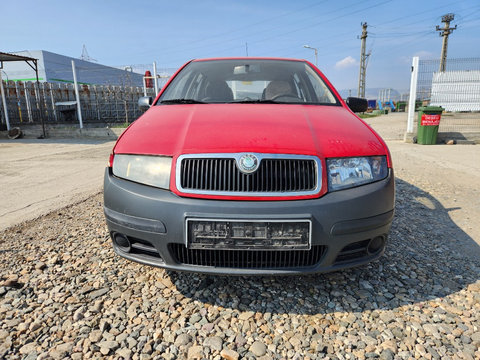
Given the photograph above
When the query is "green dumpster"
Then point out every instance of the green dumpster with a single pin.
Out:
(428, 122)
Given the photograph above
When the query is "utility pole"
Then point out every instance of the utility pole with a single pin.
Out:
(445, 31)
(363, 62)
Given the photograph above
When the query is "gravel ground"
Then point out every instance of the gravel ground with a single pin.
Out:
(64, 293)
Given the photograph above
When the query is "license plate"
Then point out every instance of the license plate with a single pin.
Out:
(248, 234)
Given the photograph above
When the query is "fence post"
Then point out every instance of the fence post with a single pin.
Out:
(77, 95)
(19, 102)
(412, 97)
(4, 101)
(54, 109)
(94, 91)
(155, 78)
(27, 102)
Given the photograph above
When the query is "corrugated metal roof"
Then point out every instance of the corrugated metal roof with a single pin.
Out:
(13, 57)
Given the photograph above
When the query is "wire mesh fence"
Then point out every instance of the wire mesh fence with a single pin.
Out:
(457, 90)
(27, 103)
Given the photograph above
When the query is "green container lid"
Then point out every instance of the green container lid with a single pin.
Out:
(431, 109)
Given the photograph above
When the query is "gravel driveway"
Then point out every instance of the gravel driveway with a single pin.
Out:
(64, 293)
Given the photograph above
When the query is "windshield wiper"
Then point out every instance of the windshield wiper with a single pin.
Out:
(181, 101)
(258, 101)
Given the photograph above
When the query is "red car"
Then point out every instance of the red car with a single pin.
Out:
(250, 166)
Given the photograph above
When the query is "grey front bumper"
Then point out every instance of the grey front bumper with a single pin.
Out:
(155, 218)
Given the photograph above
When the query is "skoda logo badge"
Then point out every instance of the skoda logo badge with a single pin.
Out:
(248, 163)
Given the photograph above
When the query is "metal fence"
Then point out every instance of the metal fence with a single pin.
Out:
(27, 103)
(457, 90)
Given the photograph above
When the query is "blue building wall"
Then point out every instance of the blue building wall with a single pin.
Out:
(58, 68)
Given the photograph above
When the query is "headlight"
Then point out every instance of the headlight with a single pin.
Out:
(350, 172)
(148, 170)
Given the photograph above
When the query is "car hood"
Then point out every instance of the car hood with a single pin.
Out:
(325, 131)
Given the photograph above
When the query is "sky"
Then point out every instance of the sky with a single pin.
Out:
(173, 32)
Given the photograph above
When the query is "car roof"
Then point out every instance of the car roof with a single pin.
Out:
(249, 58)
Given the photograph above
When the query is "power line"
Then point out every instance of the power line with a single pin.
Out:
(399, 35)
(239, 46)
(277, 34)
(400, 45)
(242, 37)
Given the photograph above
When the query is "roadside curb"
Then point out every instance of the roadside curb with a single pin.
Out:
(465, 138)
(34, 132)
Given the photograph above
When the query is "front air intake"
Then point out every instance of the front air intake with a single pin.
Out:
(245, 259)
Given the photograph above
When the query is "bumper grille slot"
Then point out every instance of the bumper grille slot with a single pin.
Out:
(353, 251)
(245, 259)
(142, 247)
(273, 176)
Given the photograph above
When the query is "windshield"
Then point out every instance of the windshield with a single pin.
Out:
(248, 81)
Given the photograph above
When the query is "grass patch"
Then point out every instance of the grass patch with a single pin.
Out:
(367, 116)
(124, 125)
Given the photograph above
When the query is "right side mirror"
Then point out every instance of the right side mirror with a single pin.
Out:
(145, 102)
(357, 104)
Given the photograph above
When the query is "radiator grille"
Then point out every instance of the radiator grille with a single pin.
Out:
(221, 175)
(244, 259)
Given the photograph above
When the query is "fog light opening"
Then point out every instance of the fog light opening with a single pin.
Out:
(122, 242)
(376, 244)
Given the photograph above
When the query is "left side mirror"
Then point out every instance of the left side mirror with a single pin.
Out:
(145, 102)
(357, 104)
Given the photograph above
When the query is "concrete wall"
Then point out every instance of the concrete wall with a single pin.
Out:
(59, 132)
